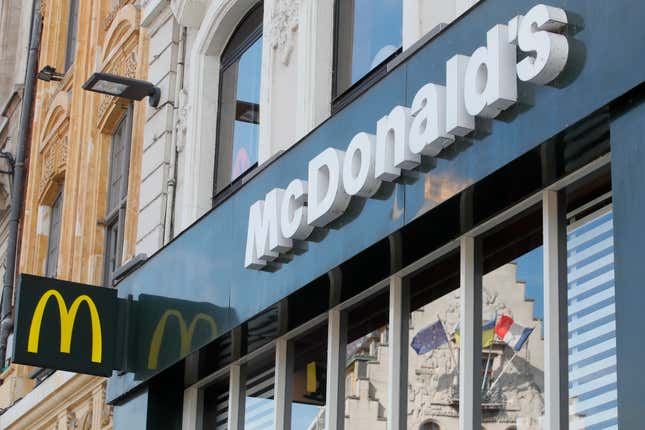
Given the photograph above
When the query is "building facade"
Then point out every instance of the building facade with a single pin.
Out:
(484, 176)
(82, 194)
(356, 214)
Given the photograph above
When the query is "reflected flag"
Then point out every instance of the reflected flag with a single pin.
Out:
(488, 333)
(514, 334)
(429, 338)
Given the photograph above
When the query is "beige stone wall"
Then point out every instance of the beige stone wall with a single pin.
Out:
(70, 148)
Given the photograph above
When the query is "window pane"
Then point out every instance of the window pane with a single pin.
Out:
(512, 356)
(309, 380)
(216, 406)
(53, 243)
(592, 322)
(239, 116)
(259, 401)
(369, 31)
(433, 369)
(116, 168)
(366, 366)
(72, 30)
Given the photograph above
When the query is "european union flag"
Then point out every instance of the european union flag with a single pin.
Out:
(429, 338)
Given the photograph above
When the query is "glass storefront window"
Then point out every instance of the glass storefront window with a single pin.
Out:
(259, 404)
(592, 321)
(216, 405)
(433, 351)
(309, 380)
(239, 112)
(367, 32)
(366, 371)
(512, 355)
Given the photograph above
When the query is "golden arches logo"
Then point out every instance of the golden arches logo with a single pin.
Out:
(186, 333)
(67, 318)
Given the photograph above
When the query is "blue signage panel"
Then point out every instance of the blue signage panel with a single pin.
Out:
(206, 262)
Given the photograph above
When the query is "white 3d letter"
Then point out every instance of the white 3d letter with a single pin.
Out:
(551, 50)
(293, 215)
(458, 121)
(264, 232)
(490, 85)
(327, 197)
(428, 131)
(392, 150)
(358, 166)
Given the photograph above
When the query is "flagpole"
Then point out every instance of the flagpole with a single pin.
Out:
(508, 363)
(452, 353)
(490, 351)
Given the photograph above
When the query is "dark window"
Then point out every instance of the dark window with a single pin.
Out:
(239, 102)
(117, 197)
(53, 244)
(72, 30)
(368, 32)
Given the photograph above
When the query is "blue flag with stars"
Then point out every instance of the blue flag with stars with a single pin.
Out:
(429, 338)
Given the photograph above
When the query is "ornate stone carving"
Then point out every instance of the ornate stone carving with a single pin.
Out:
(103, 107)
(183, 113)
(130, 65)
(116, 6)
(284, 25)
(106, 415)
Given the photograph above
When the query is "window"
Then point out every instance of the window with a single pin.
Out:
(72, 30)
(368, 32)
(117, 197)
(431, 425)
(53, 244)
(239, 103)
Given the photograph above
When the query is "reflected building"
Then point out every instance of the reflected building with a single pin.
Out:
(515, 402)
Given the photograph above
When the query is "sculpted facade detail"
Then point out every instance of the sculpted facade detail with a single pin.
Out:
(284, 26)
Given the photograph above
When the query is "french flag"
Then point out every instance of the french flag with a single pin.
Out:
(511, 332)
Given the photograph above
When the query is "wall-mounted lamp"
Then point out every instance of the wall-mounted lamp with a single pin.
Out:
(49, 73)
(121, 86)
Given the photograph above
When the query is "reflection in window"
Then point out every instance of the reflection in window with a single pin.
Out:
(592, 322)
(259, 404)
(512, 357)
(239, 109)
(366, 370)
(433, 369)
(309, 380)
(216, 405)
(368, 33)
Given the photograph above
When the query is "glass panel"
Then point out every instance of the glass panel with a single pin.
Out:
(369, 31)
(239, 116)
(592, 322)
(259, 404)
(512, 356)
(433, 369)
(72, 26)
(53, 242)
(309, 380)
(366, 367)
(216, 406)
(116, 170)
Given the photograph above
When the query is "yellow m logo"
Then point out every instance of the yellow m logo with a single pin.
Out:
(67, 318)
(185, 334)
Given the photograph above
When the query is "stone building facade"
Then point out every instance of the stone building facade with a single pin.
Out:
(82, 195)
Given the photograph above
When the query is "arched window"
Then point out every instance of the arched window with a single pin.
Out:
(430, 425)
(239, 101)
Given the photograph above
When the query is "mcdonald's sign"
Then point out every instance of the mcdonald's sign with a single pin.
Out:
(65, 325)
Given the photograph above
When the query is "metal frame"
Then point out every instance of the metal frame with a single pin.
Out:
(555, 341)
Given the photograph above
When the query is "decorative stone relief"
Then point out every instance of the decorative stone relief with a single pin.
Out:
(130, 66)
(183, 113)
(284, 25)
(116, 5)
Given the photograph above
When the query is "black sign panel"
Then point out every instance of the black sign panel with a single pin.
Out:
(64, 325)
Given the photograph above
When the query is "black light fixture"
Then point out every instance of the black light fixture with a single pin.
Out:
(122, 86)
(49, 73)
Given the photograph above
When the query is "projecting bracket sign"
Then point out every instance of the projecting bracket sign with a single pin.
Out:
(66, 326)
